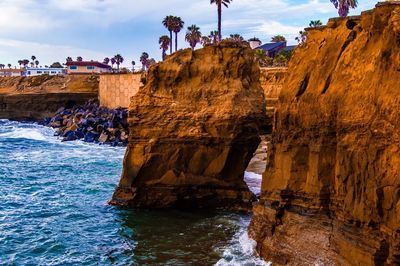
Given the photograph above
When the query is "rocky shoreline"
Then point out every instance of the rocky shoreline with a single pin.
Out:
(92, 123)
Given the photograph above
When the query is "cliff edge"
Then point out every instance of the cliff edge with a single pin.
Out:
(331, 190)
(193, 129)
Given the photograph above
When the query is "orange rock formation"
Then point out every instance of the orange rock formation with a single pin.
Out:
(331, 190)
(193, 130)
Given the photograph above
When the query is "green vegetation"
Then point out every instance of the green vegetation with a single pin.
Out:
(164, 42)
(278, 38)
(193, 36)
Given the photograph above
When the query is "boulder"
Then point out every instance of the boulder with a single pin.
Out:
(193, 129)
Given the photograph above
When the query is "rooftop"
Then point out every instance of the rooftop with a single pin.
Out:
(87, 63)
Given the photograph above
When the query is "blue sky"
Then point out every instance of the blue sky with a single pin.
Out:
(54, 29)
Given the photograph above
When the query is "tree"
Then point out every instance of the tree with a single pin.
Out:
(118, 60)
(205, 40)
(151, 62)
(236, 38)
(9, 65)
(280, 60)
(32, 64)
(133, 66)
(56, 65)
(213, 36)
(20, 62)
(278, 38)
(315, 23)
(262, 58)
(33, 59)
(219, 4)
(106, 60)
(144, 59)
(79, 59)
(301, 39)
(69, 59)
(164, 42)
(2, 66)
(193, 36)
(343, 6)
(112, 60)
(25, 62)
(37, 63)
(177, 27)
(168, 22)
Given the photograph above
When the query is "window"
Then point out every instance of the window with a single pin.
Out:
(53, 72)
(73, 67)
(46, 72)
(29, 72)
(90, 67)
(39, 72)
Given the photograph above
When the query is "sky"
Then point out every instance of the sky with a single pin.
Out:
(94, 29)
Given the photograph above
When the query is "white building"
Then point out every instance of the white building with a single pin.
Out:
(33, 71)
(11, 72)
(87, 67)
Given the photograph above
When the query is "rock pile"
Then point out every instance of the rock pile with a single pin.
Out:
(91, 123)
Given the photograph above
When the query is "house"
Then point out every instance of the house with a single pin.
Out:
(11, 72)
(87, 67)
(273, 48)
(37, 71)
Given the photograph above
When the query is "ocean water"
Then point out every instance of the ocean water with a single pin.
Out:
(54, 211)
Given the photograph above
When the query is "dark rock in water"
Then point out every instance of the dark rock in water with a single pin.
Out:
(91, 123)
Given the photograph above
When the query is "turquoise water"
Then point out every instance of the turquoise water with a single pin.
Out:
(54, 211)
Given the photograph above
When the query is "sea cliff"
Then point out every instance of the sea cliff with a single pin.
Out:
(331, 191)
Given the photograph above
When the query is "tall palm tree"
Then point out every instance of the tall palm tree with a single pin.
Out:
(278, 38)
(177, 27)
(164, 42)
(343, 6)
(79, 59)
(118, 60)
(112, 60)
(219, 4)
(144, 59)
(193, 36)
(106, 60)
(213, 36)
(37, 63)
(33, 58)
(315, 23)
(168, 22)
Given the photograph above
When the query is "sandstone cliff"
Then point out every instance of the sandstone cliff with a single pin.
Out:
(193, 130)
(331, 190)
(33, 98)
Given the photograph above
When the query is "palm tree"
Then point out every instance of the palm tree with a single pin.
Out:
(20, 62)
(193, 36)
(133, 66)
(236, 37)
(343, 6)
(32, 64)
(315, 23)
(2, 66)
(33, 59)
(69, 59)
(164, 42)
(79, 59)
(205, 40)
(219, 4)
(144, 59)
(25, 62)
(214, 36)
(177, 26)
(9, 65)
(112, 60)
(106, 60)
(278, 38)
(37, 63)
(118, 60)
(168, 22)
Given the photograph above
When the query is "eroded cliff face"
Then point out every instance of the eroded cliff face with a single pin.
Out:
(331, 190)
(33, 98)
(193, 129)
